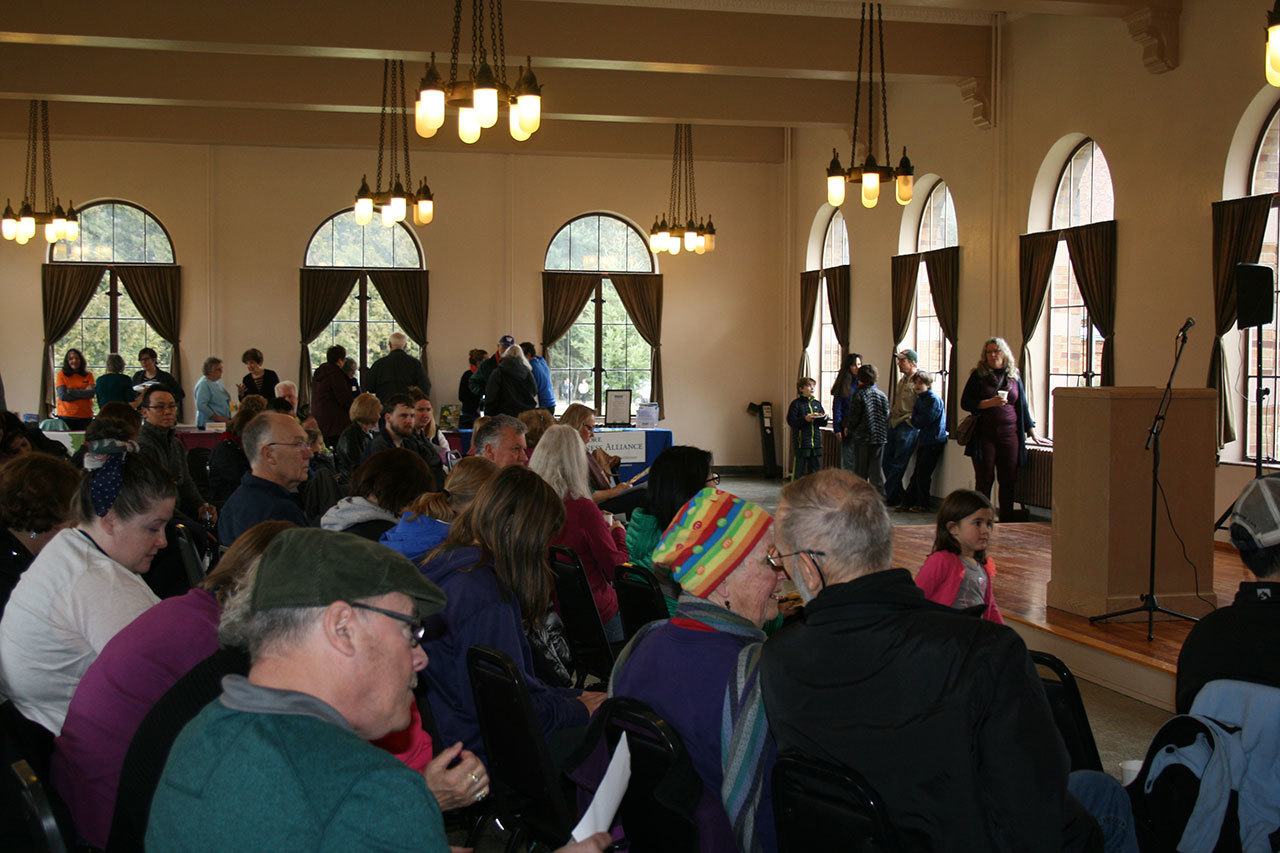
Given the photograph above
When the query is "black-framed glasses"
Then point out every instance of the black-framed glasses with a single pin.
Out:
(164, 407)
(416, 629)
(297, 445)
(714, 479)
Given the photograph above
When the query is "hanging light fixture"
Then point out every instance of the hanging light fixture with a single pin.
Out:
(486, 89)
(59, 223)
(1273, 45)
(680, 228)
(394, 203)
(870, 173)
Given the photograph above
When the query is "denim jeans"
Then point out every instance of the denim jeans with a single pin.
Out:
(897, 453)
(848, 456)
(1108, 803)
(613, 629)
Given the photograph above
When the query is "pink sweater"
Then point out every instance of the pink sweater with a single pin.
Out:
(600, 548)
(940, 578)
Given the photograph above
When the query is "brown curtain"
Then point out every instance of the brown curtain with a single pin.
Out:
(563, 295)
(1238, 227)
(903, 294)
(943, 268)
(156, 291)
(65, 291)
(1035, 266)
(810, 281)
(641, 295)
(321, 293)
(407, 293)
(839, 301)
(1093, 257)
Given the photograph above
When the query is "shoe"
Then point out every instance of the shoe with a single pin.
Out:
(902, 509)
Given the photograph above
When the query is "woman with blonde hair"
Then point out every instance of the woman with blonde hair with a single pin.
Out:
(537, 422)
(353, 444)
(604, 488)
(426, 521)
(995, 396)
(600, 543)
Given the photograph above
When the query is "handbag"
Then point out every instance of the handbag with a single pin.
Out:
(965, 432)
(552, 660)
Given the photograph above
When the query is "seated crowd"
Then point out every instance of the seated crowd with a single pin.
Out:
(356, 562)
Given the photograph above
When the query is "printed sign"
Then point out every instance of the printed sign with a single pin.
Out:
(626, 444)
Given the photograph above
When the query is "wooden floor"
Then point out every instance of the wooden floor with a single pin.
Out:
(1022, 553)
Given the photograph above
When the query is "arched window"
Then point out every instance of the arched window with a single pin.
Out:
(1265, 178)
(1084, 196)
(824, 348)
(602, 350)
(924, 335)
(363, 323)
(114, 232)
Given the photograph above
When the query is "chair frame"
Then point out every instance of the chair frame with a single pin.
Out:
(592, 654)
(793, 770)
(632, 584)
(1091, 759)
(38, 808)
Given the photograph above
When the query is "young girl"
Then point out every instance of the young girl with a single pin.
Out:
(959, 573)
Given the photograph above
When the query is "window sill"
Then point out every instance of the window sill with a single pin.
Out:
(1231, 463)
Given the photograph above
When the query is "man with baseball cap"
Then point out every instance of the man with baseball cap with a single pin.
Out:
(281, 760)
(1240, 642)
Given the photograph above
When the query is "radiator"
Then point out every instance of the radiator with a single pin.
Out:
(1035, 479)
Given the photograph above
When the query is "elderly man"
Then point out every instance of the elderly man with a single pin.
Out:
(398, 421)
(698, 669)
(281, 759)
(902, 435)
(158, 439)
(942, 713)
(501, 440)
(279, 458)
(396, 371)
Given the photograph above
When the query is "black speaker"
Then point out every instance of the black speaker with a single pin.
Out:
(1255, 287)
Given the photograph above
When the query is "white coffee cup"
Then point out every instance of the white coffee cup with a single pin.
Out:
(1129, 770)
(1004, 395)
(608, 518)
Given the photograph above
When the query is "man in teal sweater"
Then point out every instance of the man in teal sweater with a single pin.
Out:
(281, 761)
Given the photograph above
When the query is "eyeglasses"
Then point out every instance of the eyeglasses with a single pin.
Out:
(416, 629)
(164, 407)
(298, 445)
(774, 559)
(713, 480)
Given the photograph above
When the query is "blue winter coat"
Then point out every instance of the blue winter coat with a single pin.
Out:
(415, 535)
(930, 418)
(542, 378)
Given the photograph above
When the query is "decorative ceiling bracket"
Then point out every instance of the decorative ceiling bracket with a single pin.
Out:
(976, 92)
(1156, 29)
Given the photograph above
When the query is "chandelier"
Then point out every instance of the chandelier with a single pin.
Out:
(870, 174)
(1273, 45)
(59, 224)
(394, 203)
(478, 97)
(680, 225)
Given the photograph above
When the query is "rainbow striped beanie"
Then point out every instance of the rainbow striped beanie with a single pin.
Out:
(709, 538)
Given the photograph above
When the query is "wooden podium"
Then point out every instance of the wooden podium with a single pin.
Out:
(1102, 499)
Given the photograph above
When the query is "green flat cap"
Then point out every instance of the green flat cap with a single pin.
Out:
(309, 567)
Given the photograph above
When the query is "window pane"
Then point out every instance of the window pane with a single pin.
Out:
(130, 235)
(404, 249)
(159, 249)
(320, 250)
(348, 243)
(1265, 180)
(599, 242)
(613, 243)
(95, 233)
(638, 257)
(584, 243)
(558, 253)
(613, 347)
(377, 244)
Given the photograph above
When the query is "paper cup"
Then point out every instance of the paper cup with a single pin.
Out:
(1004, 395)
(1129, 770)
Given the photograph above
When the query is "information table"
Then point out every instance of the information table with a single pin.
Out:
(636, 447)
(191, 438)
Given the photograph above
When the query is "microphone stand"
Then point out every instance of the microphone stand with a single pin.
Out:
(1150, 603)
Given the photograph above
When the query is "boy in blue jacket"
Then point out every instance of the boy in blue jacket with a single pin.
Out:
(805, 416)
(930, 418)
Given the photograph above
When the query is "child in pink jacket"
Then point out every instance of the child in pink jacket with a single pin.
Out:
(959, 573)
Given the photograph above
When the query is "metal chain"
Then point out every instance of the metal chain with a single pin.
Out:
(693, 187)
(500, 56)
(382, 125)
(48, 157)
(675, 175)
(884, 97)
(394, 147)
(457, 31)
(871, 86)
(857, 90)
(404, 128)
(29, 185)
(477, 25)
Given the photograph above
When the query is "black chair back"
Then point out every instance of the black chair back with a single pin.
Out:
(525, 787)
(640, 598)
(185, 542)
(42, 824)
(657, 812)
(822, 806)
(583, 630)
(1068, 711)
(198, 468)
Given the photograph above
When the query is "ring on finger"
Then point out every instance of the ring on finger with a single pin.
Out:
(474, 778)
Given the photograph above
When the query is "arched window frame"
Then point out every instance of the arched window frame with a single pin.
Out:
(824, 348)
(924, 335)
(97, 332)
(570, 366)
(1267, 144)
(365, 309)
(1065, 365)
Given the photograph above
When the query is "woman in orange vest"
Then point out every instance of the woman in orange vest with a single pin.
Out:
(75, 389)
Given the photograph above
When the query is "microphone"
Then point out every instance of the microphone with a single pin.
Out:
(1191, 321)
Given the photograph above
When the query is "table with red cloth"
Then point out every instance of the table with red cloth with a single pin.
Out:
(190, 438)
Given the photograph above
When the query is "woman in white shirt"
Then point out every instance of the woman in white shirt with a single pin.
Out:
(86, 584)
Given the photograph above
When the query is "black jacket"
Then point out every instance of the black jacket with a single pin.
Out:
(381, 441)
(163, 447)
(353, 447)
(943, 714)
(14, 560)
(1237, 642)
(264, 387)
(469, 399)
(394, 373)
(511, 389)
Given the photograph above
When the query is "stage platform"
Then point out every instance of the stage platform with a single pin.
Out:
(1116, 655)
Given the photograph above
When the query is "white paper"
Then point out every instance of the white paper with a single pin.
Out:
(604, 805)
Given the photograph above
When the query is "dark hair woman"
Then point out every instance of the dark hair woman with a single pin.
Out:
(35, 504)
(381, 487)
(86, 584)
(75, 389)
(995, 395)
(842, 393)
(469, 399)
(493, 569)
(678, 474)
(426, 521)
(259, 380)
